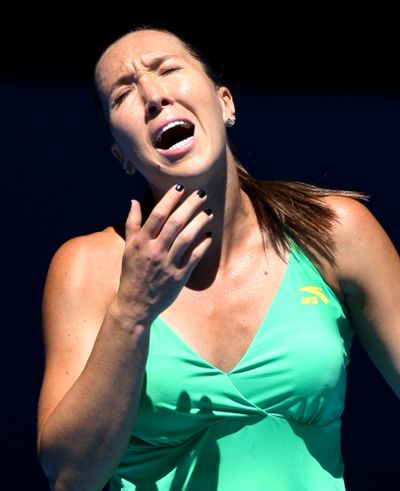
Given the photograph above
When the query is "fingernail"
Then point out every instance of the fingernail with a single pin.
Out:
(201, 193)
(179, 187)
(208, 211)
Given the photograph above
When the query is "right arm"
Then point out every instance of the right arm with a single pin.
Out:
(96, 348)
(91, 385)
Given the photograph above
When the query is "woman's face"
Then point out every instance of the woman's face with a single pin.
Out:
(165, 114)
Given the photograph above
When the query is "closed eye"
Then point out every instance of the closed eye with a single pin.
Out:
(168, 70)
(120, 97)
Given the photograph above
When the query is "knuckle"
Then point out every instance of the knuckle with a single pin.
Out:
(134, 243)
(157, 216)
(153, 255)
(174, 222)
(185, 239)
(178, 276)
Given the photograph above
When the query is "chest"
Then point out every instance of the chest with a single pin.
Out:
(293, 364)
(219, 324)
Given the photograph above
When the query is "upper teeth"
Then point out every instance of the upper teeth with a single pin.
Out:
(171, 125)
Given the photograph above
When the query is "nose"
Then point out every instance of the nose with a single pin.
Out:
(154, 106)
(155, 97)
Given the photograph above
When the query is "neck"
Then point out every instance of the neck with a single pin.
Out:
(234, 223)
(233, 226)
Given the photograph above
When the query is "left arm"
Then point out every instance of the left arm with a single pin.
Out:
(368, 270)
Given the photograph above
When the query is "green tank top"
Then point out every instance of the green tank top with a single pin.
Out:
(270, 424)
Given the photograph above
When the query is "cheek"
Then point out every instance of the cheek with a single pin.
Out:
(123, 130)
(208, 106)
(201, 98)
(198, 92)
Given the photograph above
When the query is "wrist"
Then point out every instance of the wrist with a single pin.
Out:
(127, 314)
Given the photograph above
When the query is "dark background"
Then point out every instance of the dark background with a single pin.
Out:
(318, 100)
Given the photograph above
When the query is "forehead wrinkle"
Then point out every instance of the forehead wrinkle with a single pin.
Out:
(127, 70)
(123, 67)
(154, 59)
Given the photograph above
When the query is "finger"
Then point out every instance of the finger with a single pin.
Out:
(181, 217)
(195, 253)
(189, 237)
(132, 225)
(162, 211)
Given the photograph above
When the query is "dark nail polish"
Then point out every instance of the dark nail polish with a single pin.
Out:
(179, 187)
(209, 233)
(208, 211)
(201, 193)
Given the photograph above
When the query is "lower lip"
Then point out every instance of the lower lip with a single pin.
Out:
(181, 151)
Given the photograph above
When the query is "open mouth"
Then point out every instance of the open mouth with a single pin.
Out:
(175, 135)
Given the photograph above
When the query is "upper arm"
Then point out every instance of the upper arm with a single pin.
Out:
(368, 268)
(73, 308)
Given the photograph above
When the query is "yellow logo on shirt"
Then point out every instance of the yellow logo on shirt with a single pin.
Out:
(317, 294)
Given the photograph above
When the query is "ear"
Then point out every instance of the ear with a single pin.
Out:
(127, 165)
(227, 104)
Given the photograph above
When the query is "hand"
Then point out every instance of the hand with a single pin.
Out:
(160, 256)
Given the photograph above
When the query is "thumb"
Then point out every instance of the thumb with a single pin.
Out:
(134, 220)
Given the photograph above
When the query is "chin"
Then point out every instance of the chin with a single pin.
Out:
(198, 167)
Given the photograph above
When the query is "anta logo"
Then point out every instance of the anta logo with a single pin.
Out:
(316, 295)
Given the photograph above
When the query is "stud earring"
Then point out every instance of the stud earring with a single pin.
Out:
(230, 122)
(128, 170)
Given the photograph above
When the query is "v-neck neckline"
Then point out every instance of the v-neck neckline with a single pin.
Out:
(257, 334)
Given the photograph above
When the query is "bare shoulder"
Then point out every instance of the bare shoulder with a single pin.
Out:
(81, 282)
(360, 240)
(87, 254)
(350, 213)
(83, 276)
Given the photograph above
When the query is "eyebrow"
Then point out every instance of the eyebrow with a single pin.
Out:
(152, 63)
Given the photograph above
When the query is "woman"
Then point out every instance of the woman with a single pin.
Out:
(206, 347)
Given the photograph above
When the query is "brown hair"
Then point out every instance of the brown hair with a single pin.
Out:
(285, 210)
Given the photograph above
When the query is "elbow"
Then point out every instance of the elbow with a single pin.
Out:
(65, 469)
(62, 479)
(64, 483)
(55, 483)
(45, 464)
(58, 477)
(62, 476)
(56, 486)
(61, 485)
